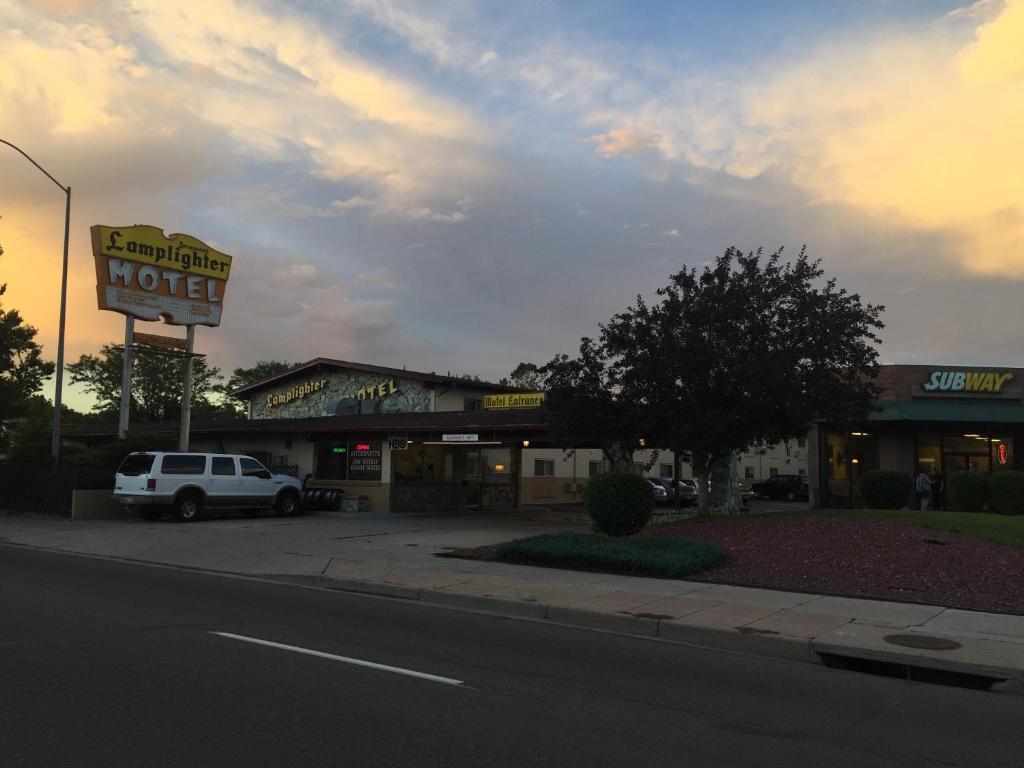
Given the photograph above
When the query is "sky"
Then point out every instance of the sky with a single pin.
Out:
(460, 186)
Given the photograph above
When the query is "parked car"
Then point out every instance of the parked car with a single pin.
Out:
(659, 492)
(788, 487)
(687, 493)
(190, 483)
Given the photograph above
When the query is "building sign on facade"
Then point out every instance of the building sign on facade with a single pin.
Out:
(300, 390)
(380, 389)
(460, 438)
(966, 381)
(145, 274)
(514, 400)
(364, 462)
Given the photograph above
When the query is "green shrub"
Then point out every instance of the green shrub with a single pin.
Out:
(967, 492)
(110, 455)
(620, 504)
(672, 557)
(1006, 493)
(884, 489)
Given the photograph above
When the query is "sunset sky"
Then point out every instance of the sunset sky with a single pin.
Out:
(464, 185)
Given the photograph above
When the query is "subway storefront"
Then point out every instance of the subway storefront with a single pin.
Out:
(944, 419)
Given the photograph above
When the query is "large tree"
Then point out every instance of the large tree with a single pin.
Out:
(748, 351)
(22, 368)
(156, 386)
(585, 407)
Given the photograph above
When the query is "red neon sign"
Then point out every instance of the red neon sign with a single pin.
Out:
(1002, 453)
(362, 446)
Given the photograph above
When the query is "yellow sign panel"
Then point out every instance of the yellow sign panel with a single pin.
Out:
(148, 245)
(514, 400)
(142, 273)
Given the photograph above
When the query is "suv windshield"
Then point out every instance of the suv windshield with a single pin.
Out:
(136, 464)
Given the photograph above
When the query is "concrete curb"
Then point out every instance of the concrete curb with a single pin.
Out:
(714, 638)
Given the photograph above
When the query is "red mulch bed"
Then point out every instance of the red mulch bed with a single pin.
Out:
(862, 558)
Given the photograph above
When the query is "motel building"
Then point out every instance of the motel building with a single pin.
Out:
(396, 440)
(944, 419)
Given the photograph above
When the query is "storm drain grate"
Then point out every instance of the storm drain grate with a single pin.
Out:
(923, 642)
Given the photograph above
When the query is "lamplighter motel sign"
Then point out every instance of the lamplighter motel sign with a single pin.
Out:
(142, 273)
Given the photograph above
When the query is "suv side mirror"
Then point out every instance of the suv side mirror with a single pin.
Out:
(265, 475)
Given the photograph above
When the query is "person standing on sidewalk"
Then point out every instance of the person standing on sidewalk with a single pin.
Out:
(923, 489)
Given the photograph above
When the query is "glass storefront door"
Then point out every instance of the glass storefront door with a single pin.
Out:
(962, 462)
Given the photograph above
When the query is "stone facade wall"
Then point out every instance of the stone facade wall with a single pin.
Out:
(411, 395)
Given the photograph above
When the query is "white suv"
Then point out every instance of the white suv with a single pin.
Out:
(189, 483)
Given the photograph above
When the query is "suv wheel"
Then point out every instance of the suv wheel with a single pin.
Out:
(188, 507)
(286, 504)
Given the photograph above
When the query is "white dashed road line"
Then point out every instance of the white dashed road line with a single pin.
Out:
(342, 659)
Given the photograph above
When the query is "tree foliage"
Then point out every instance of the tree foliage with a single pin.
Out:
(241, 377)
(748, 351)
(525, 376)
(156, 385)
(585, 407)
(22, 368)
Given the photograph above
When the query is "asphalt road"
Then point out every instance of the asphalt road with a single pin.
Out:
(110, 664)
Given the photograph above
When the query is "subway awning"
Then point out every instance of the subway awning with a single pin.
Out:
(962, 410)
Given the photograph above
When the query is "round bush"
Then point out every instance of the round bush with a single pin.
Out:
(883, 489)
(967, 492)
(620, 504)
(1006, 493)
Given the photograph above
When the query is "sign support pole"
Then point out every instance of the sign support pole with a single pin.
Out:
(126, 376)
(186, 393)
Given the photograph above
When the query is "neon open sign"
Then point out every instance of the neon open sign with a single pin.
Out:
(1001, 453)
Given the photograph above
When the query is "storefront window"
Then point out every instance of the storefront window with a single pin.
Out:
(349, 460)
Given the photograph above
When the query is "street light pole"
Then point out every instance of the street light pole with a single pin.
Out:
(58, 391)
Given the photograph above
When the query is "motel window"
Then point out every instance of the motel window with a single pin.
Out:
(801, 442)
(748, 473)
(594, 468)
(802, 472)
(472, 403)
(773, 471)
(543, 467)
(349, 460)
(664, 470)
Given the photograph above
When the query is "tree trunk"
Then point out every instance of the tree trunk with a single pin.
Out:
(703, 493)
(725, 491)
(620, 457)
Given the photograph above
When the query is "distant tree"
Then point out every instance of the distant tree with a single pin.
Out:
(241, 377)
(264, 369)
(22, 368)
(749, 351)
(156, 387)
(525, 376)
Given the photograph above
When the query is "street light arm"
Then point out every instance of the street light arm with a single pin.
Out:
(59, 372)
(37, 165)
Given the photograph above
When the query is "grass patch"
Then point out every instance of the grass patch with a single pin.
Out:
(667, 557)
(1002, 529)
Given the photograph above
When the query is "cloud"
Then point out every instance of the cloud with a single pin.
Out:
(923, 127)
(622, 141)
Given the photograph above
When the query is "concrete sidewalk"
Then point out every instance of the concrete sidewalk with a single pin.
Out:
(397, 556)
